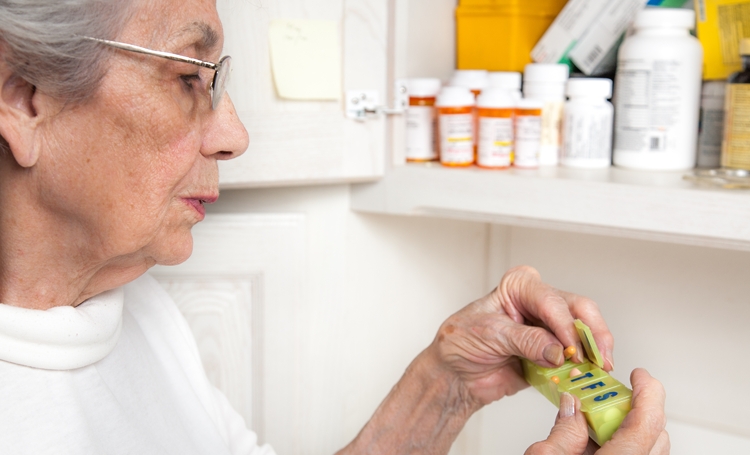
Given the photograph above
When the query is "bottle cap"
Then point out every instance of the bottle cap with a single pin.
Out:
(496, 98)
(471, 79)
(527, 103)
(508, 80)
(546, 72)
(589, 87)
(665, 18)
(423, 87)
(745, 46)
(545, 91)
(714, 89)
(455, 97)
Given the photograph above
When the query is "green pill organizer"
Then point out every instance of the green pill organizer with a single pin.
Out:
(604, 400)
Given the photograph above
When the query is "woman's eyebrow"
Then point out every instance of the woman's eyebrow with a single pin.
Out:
(207, 39)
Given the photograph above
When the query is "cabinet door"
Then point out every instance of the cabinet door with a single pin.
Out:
(242, 293)
(303, 142)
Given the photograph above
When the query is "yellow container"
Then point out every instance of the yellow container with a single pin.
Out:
(721, 26)
(498, 35)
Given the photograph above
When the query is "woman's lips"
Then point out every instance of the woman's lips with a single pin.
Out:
(197, 204)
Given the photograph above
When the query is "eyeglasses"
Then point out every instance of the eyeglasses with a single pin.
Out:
(221, 69)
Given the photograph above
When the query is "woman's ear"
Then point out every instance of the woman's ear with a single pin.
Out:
(18, 116)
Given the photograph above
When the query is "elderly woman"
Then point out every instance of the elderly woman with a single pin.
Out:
(107, 154)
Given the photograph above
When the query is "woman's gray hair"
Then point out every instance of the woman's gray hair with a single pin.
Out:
(41, 44)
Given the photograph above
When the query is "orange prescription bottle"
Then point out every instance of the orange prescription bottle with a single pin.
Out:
(474, 80)
(528, 133)
(421, 119)
(495, 112)
(455, 109)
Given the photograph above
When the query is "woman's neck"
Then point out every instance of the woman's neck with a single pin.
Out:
(46, 260)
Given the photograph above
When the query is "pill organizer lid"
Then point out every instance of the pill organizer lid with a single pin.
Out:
(665, 17)
(508, 80)
(589, 87)
(589, 344)
(455, 97)
(527, 103)
(423, 87)
(745, 46)
(714, 89)
(546, 72)
(471, 79)
(496, 98)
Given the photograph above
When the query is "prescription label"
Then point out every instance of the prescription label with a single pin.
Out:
(420, 133)
(456, 138)
(735, 150)
(495, 141)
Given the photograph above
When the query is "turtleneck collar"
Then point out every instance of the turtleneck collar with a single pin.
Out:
(62, 338)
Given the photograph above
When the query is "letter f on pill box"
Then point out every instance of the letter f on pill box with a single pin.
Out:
(604, 400)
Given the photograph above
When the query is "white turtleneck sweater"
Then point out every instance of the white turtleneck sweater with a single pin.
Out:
(119, 374)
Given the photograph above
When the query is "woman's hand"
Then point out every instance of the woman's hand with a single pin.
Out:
(522, 317)
(641, 433)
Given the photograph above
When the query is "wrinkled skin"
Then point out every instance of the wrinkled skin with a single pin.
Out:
(522, 317)
(94, 194)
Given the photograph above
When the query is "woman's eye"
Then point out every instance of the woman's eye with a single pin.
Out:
(190, 80)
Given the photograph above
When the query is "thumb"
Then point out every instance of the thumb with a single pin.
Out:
(533, 343)
(570, 434)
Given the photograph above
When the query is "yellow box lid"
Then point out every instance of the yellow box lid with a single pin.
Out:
(589, 344)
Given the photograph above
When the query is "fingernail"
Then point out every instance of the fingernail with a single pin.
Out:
(553, 354)
(609, 357)
(567, 405)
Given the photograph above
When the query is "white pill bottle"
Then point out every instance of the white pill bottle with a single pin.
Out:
(657, 92)
(587, 124)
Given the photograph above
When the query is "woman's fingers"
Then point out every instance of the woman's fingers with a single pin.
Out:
(662, 446)
(587, 310)
(642, 431)
(569, 436)
(533, 343)
(524, 297)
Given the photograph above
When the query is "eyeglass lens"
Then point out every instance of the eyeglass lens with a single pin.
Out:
(221, 77)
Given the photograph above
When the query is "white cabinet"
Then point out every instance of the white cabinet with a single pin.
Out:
(294, 142)
(301, 143)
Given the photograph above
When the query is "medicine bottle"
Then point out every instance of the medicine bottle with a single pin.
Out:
(528, 137)
(711, 131)
(455, 109)
(495, 111)
(506, 80)
(658, 87)
(546, 82)
(420, 120)
(735, 150)
(474, 80)
(587, 124)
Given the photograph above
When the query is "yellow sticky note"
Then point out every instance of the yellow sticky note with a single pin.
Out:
(306, 59)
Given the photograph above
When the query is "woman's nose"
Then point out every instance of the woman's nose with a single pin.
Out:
(225, 137)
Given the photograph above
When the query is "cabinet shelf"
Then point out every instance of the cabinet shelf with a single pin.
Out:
(658, 206)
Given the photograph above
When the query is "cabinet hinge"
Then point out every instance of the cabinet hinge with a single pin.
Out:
(362, 104)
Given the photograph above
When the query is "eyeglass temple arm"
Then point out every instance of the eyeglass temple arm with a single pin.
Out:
(143, 50)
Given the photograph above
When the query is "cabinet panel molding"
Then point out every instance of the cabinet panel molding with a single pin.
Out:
(243, 293)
